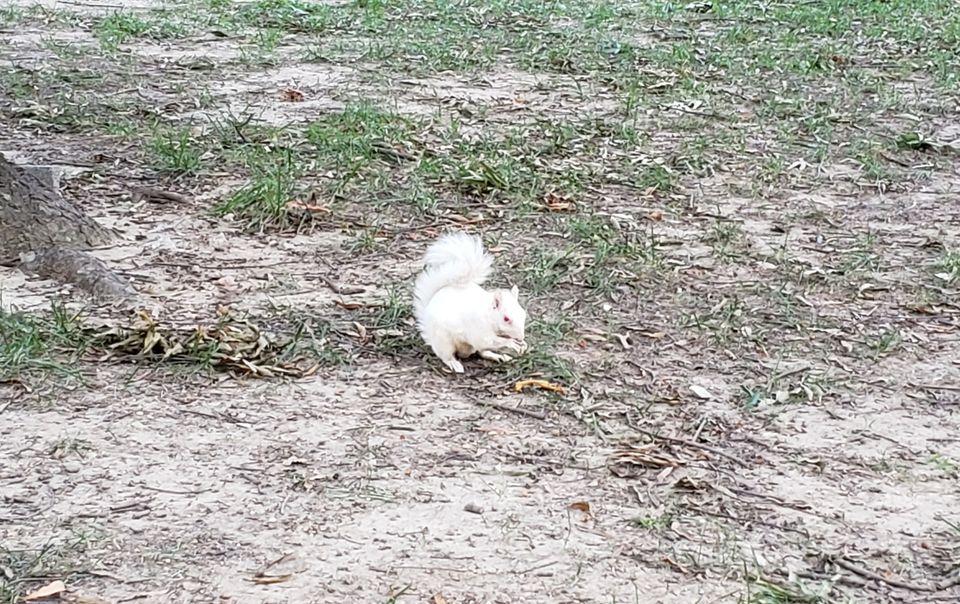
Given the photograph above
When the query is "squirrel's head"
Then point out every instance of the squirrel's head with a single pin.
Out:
(510, 317)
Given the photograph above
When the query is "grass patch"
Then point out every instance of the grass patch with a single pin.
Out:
(39, 345)
(355, 139)
(294, 16)
(948, 266)
(122, 26)
(765, 591)
(264, 201)
(28, 569)
(175, 151)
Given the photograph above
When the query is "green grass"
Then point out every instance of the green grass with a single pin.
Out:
(292, 16)
(764, 591)
(175, 150)
(120, 27)
(545, 269)
(40, 345)
(357, 139)
(264, 201)
(24, 570)
(948, 266)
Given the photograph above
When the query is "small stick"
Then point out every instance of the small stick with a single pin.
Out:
(520, 410)
(690, 443)
(172, 492)
(936, 387)
(157, 195)
(869, 574)
(343, 290)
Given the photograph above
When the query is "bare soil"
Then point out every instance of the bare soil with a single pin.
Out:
(769, 412)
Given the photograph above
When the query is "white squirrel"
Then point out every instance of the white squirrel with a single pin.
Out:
(455, 314)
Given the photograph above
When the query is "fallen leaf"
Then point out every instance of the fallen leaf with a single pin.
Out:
(689, 484)
(292, 95)
(348, 305)
(701, 392)
(361, 331)
(46, 591)
(656, 335)
(665, 473)
(307, 207)
(281, 569)
(545, 385)
(555, 202)
(438, 599)
(582, 506)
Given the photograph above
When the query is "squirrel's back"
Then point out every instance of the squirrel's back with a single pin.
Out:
(453, 259)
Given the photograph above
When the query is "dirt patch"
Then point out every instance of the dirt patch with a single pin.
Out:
(748, 294)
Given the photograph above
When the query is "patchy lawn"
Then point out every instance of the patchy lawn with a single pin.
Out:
(735, 226)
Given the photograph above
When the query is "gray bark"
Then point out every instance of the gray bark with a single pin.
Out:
(43, 234)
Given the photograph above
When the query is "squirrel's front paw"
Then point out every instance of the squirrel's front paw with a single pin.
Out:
(455, 365)
(495, 356)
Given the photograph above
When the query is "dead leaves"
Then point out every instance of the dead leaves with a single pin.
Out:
(47, 591)
(308, 208)
(229, 345)
(295, 205)
(279, 571)
(584, 507)
(292, 95)
(555, 202)
(633, 460)
(58, 590)
(542, 384)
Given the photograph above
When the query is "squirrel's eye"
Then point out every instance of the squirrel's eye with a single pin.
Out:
(506, 319)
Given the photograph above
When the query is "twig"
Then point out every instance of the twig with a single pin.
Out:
(157, 195)
(948, 583)
(172, 492)
(92, 4)
(94, 572)
(395, 154)
(221, 267)
(520, 410)
(689, 443)
(935, 387)
(217, 416)
(343, 290)
(533, 568)
(750, 521)
(869, 574)
(895, 160)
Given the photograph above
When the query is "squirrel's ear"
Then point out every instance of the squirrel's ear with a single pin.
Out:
(515, 291)
(497, 299)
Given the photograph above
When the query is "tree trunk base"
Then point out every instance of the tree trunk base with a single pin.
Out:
(44, 235)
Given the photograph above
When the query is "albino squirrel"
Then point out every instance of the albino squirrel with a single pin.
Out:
(458, 317)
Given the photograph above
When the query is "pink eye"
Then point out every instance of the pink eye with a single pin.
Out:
(506, 319)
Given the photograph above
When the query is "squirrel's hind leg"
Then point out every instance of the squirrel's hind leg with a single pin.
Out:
(446, 351)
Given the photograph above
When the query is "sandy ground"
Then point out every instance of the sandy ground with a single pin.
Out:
(386, 480)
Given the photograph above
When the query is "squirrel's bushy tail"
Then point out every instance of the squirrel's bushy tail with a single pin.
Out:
(454, 259)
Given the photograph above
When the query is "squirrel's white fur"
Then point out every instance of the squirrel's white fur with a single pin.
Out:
(455, 314)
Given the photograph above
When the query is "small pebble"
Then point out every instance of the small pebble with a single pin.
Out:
(473, 508)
